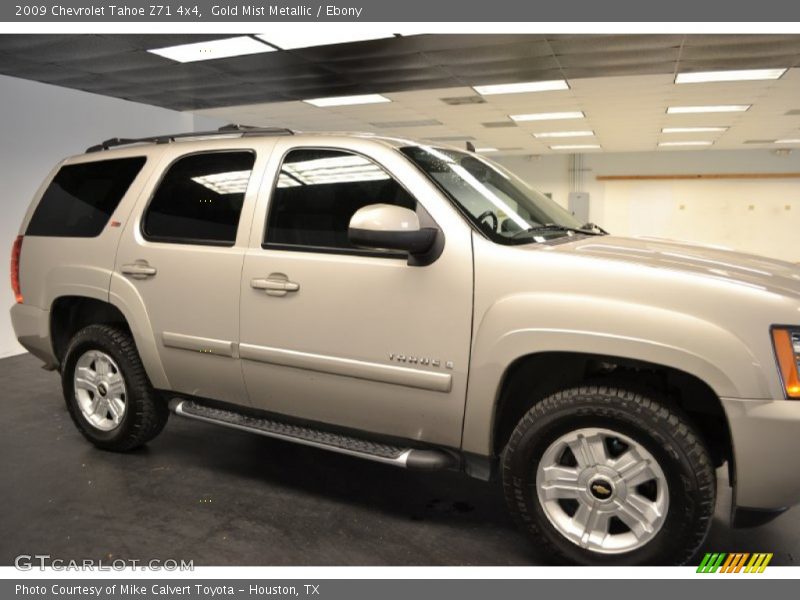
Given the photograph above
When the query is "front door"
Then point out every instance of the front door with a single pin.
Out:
(355, 338)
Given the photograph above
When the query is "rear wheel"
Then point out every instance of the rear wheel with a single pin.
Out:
(107, 391)
(603, 476)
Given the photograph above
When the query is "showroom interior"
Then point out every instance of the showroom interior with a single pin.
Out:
(688, 137)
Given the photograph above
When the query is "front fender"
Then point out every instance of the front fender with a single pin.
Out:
(525, 324)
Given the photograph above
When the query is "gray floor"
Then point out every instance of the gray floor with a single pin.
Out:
(221, 497)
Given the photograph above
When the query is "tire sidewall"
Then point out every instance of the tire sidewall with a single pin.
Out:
(668, 546)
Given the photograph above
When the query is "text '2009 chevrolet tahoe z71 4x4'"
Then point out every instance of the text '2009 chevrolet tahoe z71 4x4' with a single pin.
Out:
(421, 307)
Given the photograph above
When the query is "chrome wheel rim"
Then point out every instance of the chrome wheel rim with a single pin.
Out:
(602, 490)
(100, 390)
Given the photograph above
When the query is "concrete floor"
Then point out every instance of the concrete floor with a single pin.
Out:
(221, 497)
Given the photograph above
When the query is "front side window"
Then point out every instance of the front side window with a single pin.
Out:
(498, 203)
(318, 191)
(200, 199)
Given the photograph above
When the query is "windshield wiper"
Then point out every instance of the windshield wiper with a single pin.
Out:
(554, 227)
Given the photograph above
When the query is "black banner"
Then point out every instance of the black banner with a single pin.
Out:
(708, 586)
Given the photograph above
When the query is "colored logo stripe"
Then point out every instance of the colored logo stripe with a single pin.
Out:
(734, 562)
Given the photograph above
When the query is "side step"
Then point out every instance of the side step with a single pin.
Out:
(409, 458)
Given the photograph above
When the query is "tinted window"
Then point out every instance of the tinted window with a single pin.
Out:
(317, 193)
(200, 199)
(81, 198)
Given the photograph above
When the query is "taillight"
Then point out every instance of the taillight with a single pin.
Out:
(16, 249)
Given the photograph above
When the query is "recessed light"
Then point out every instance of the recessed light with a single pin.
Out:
(563, 134)
(742, 75)
(485, 149)
(576, 147)
(213, 49)
(678, 110)
(520, 88)
(291, 40)
(788, 141)
(687, 143)
(692, 129)
(553, 116)
(461, 100)
(348, 100)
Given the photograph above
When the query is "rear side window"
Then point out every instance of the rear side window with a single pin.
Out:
(200, 198)
(81, 198)
(317, 193)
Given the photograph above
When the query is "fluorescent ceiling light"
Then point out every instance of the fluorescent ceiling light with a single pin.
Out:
(788, 141)
(553, 116)
(485, 149)
(213, 49)
(231, 182)
(348, 100)
(520, 88)
(678, 110)
(743, 75)
(563, 134)
(692, 129)
(576, 147)
(338, 169)
(686, 143)
(291, 40)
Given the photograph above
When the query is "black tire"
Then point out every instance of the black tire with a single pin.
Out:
(661, 429)
(145, 413)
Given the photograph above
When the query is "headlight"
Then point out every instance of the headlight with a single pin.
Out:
(787, 351)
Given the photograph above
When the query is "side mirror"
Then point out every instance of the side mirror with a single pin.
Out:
(389, 227)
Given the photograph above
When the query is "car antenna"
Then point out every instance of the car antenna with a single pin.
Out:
(470, 147)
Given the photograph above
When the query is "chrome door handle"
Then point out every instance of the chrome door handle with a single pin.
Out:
(277, 284)
(138, 270)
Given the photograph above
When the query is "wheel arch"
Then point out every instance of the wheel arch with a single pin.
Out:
(532, 377)
(71, 313)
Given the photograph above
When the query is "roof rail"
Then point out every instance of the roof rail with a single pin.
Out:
(233, 128)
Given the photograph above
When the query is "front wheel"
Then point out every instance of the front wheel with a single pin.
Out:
(604, 476)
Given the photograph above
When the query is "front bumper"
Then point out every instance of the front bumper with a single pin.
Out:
(32, 326)
(766, 447)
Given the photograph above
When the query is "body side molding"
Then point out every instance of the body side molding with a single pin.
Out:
(199, 344)
(426, 380)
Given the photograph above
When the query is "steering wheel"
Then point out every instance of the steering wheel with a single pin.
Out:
(485, 215)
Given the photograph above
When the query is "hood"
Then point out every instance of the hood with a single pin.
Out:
(775, 276)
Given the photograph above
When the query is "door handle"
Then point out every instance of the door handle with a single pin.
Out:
(277, 284)
(138, 270)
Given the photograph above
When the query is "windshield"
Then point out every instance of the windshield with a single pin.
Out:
(496, 201)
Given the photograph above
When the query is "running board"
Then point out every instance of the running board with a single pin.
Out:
(409, 458)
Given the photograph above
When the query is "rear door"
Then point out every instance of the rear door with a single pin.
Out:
(179, 264)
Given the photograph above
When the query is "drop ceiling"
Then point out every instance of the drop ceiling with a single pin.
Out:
(623, 84)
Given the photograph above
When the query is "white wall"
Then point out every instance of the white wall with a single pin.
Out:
(41, 124)
(547, 173)
(753, 215)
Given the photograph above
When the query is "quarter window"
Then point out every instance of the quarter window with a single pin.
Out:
(82, 197)
(317, 193)
(200, 198)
